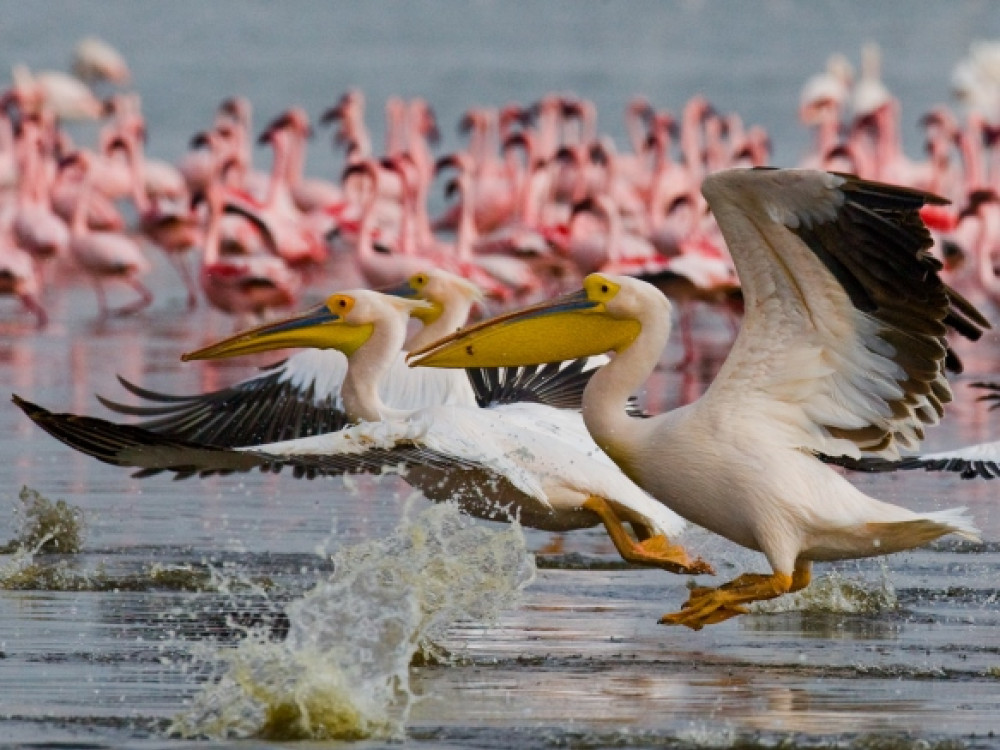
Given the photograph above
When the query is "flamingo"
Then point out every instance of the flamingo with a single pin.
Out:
(172, 227)
(242, 285)
(96, 60)
(105, 255)
(68, 98)
(19, 278)
(37, 229)
(378, 267)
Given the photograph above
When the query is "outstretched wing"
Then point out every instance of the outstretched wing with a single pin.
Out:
(295, 398)
(300, 396)
(979, 461)
(457, 459)
(992, 395)
(284, 402)
(842, 349)
(369, 448)
(557, 384)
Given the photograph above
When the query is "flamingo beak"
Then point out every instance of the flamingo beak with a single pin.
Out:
(572, 326)
(317, 328)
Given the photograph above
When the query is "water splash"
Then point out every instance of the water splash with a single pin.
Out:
(343, 670)
(46, 527)
(835, 593)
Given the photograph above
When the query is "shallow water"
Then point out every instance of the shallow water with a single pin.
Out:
(113, 645)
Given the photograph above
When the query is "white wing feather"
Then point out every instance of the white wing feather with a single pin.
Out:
(808, 363)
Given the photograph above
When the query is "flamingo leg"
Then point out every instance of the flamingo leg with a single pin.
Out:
(177, 261)
(144, 301)
(34, 307)
(686, 324)
(102, 300)
(655, 550)
(708, 606)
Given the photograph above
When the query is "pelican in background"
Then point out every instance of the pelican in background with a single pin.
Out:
(525, 461)
(842, 352)
(301, 396)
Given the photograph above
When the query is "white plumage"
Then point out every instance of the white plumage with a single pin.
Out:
(526, 461)
(842, 352)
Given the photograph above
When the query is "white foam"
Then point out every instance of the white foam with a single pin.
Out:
(835, 593)
(343, 670)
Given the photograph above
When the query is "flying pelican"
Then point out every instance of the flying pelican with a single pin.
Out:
(302, 395)
(842, 352)
(528, 461)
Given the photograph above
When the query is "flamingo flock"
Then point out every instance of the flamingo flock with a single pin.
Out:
(536, 199)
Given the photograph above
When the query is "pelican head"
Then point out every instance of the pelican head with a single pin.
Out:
(604, 316)
(345, 322)
(442, 290)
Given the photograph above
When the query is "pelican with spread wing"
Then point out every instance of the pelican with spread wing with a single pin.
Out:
(522, 460)
(842, 352)
(301, 395)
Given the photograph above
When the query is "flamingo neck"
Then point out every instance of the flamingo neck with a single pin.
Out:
(277, 185)
(614, 237)
(295, 160)
(78, 224)
(466, 235)
(424, 233)
(988, 240)
(137, 167)
(366, 368)
(213, 229)
(972, 157)
(636, 131)
(407, 236)
(827, 133)
(366, 243)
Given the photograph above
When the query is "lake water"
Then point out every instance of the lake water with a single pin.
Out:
(141, 637)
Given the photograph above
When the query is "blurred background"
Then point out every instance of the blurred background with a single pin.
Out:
(750, 58)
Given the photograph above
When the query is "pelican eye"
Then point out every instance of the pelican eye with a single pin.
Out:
(419, 280)
(340, 304)
(600, 289)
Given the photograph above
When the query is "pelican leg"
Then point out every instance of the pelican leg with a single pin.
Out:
(707, 606)
(655, 550)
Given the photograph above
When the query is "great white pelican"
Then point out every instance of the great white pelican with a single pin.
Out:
(842, 352)
(300, 396)
(523, 460)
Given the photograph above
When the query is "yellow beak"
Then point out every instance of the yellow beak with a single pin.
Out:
(565, 328)
(318, 328)
(425, 314)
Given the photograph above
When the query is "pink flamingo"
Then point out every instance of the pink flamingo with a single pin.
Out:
(96, 60)
(105, 255)
(172, 227)
(378, 266)
(36, 227)
(67, 195)
(500, 276)
(19, 278)
(308, 194)
(246, 285)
